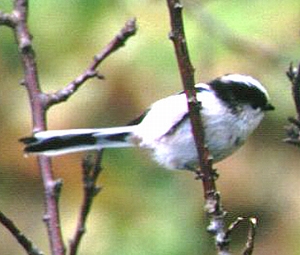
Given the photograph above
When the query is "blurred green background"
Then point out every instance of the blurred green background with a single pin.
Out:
(142, 208)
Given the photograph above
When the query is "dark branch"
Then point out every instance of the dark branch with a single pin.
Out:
(26, 243)
(206, 174)
(293, 130)
(91, 168)
(294, 77)
(91, 72)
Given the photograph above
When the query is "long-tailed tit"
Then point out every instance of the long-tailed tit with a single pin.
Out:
(232, 107)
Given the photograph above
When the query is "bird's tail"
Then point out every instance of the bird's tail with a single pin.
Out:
(57, 142)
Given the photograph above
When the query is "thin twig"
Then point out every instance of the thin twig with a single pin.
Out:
(206, 174)
(91, 72)
(91, 169)
(26, 243)
(251, 237)
(233, 226)
(31, 82)
(249, 246)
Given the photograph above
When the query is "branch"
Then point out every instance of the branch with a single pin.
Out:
(294, 77)
(25, 242)
(187, 78)
(251, 236)
(41, 102)
(90, 172)
(213, 205)
(31, 82)
(293, 130)
(62, 95)
(251, 233)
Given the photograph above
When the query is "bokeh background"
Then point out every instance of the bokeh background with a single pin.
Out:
(142, 208)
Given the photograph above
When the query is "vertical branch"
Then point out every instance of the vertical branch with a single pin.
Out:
(187, 77)
(213, 205)
(31, 82)
(293, 130)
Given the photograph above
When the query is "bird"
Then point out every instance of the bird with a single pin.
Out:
(232, 107)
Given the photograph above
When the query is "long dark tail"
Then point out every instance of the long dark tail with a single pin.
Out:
(57, 142)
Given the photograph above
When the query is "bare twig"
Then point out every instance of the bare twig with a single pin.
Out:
(233, 226)
(91, 168)
(26, 243)
(62, 95)
(294, 77)
(251, 236)
(249, 246)
(206, 174)
(293, 130)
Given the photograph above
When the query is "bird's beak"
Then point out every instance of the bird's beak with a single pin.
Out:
(269, 107)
